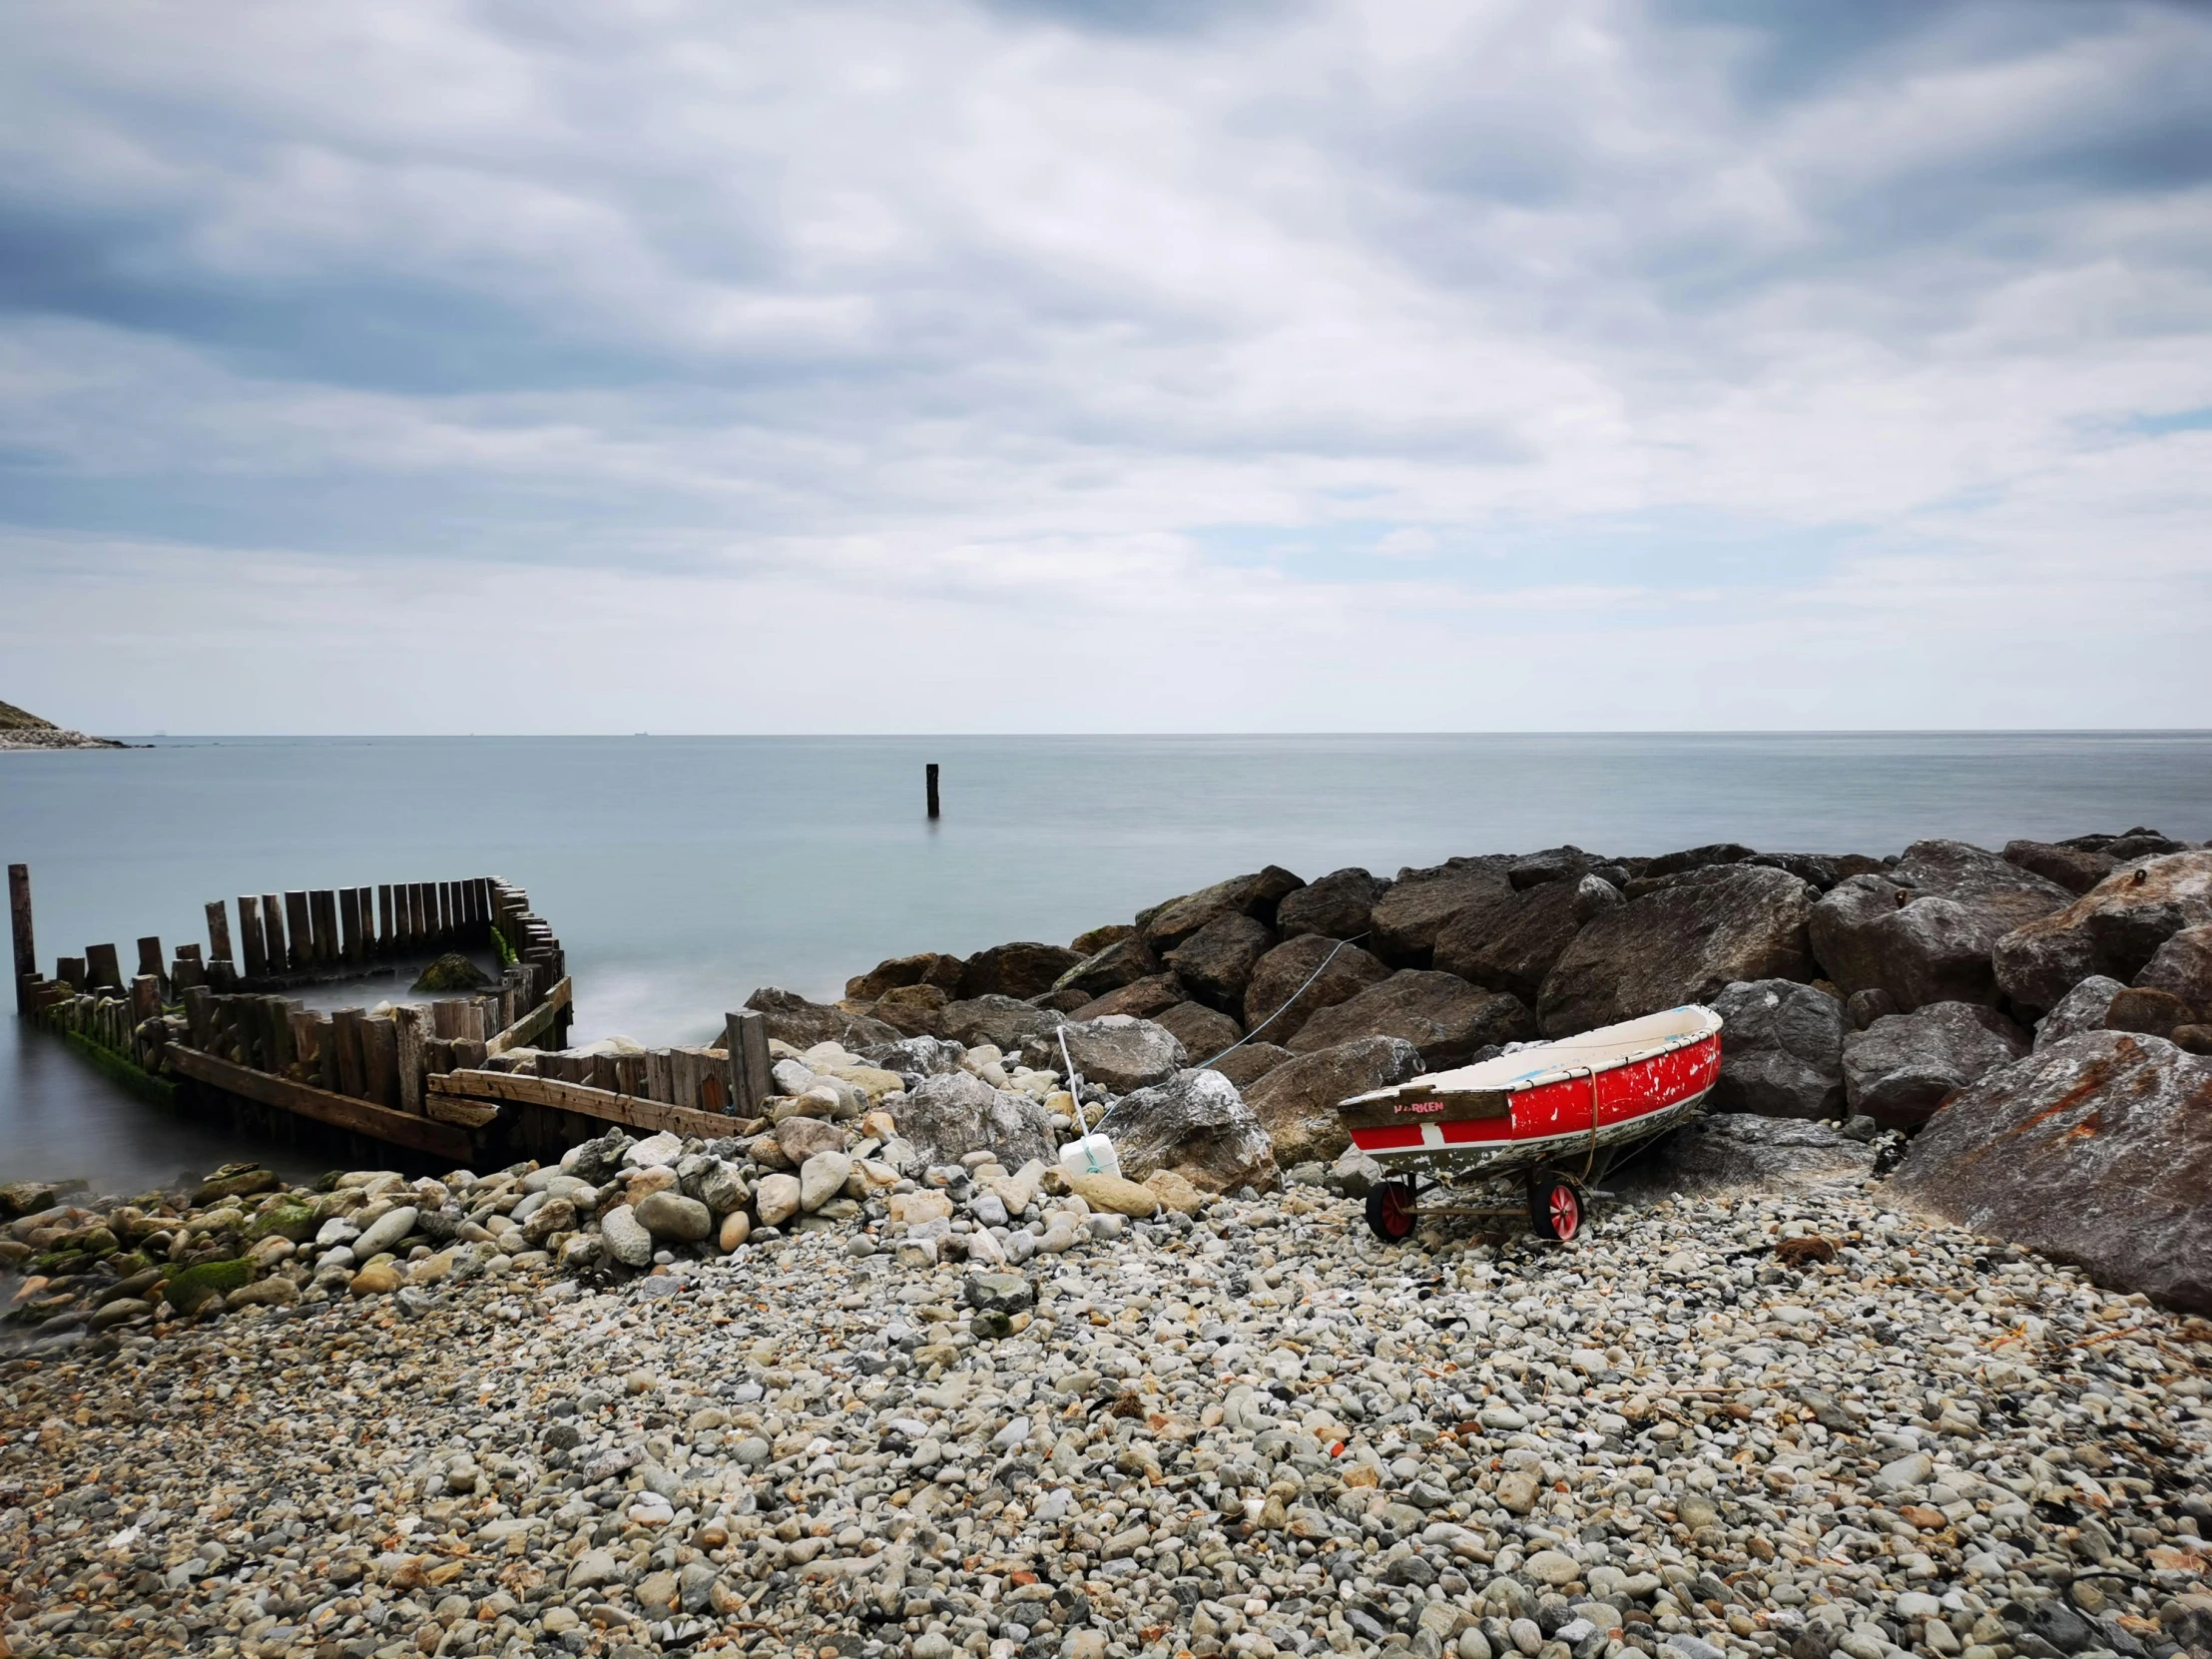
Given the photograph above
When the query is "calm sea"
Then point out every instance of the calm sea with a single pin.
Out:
(681, 872)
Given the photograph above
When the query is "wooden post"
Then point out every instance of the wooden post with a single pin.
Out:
(302, 930)
(145, 998)
(384, 923)
(251, 933)
(149, 957)
(744, 1038)
(380, 1059)
(273, 930)
(350, 926)
(322, 910)
(199, 1014)
(102, 970)
(345, 1039)
(415, 1039)
(930, 773)
(19, 923)
(219, 931)
(70, 970)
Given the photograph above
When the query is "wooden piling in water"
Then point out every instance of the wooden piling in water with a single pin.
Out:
(219, 933)
(19, 927)
(322, 910)
(929, 774)
(273, 930)
(102, 970)
(301, 957)
(252, 937)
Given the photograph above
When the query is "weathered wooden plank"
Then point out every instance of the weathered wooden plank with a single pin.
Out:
(350, 926)
(387, 922)
(345, 1043)
(301, 925)
(414, 1059)
(150, 957)
(359, 1116)
(219, 931)
(469, 1114)
(536, 1024)
(745, 1040)
(602, 1104)
(273, 930)
(380, 1060)
(252, 937)
(102, 970)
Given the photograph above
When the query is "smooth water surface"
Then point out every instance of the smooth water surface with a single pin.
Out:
(681, 872)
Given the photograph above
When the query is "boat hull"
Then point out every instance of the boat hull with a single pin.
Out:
(1554, 1119)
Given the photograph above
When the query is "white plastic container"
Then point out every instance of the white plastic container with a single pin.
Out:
(1092, 1153)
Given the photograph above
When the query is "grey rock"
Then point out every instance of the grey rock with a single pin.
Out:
(626, 1238)
(1117, 1051)
(1442, 1015)
(1740, 1150)
(1680, 945)
(2094, 1150)
(1019, 971)
(2182, 968)
(2072, 867)
(385, 1232)
(1273, 995)
(1001, 1021)
(776, 1198)
(1167, 925)
(2114, 929)
(1247, 1065)
(597, 1161)
(1216, 963)
(1204, 1032)
(1508, 941)
(1120, 963)
(1899, 1070)
(672, 1218)
(790, 1077)
(1296, 1102)
(957, 1113)
(1923, 930)
(1196, 1124)
(916, 1056)
(1782, 1050)
(1407, 919)
(791, 1018)
(2080, 1009)
(822, 1178)
(1340, 906)
(1594, 896)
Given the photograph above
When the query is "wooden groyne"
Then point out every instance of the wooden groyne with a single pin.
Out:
(461, 1079)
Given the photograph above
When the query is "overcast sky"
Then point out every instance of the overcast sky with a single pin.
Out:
(531, 365)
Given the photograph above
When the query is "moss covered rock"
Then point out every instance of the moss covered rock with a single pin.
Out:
(192, 1285)
(236, 1181)
(452, 972)
(287, 1219)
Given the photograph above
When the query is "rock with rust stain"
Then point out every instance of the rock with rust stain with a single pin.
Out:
(2096, 1150)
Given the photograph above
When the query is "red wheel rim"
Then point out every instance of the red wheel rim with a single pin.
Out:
(1565, 1211)
(1397, 1215)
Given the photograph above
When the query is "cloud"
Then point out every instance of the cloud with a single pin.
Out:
(1199, 331)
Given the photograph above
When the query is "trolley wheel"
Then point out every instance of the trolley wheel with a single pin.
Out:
(1390, 1210)
(1554, 1207)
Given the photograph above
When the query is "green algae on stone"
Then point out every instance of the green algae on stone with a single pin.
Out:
(451, 972)
(289, 1219)
(187, 1289)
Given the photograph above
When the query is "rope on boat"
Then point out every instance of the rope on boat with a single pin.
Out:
(1285, 1008)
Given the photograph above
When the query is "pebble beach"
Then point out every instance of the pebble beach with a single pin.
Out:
(1755, 1422)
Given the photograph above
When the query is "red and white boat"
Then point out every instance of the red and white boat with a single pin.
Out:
(1555, 1115)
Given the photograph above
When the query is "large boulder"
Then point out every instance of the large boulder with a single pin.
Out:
(1140, 999)
(1165, 926)
(1196, 1124)
(1679, 946)
(1120, 1052)
(2096, 1150)
(1743, 1150)
(2182, 968)
(1203, 1032)
(915, 1057)
(2072, 867)
(1508, 941)
(1441, 1014)
(1276, 976)
(2114, 928)
(2081, 1010)
(1119, 963)
(1297, 1101)
(1245, 1065)
(1217, 961)
(1692, 858)
(1923, 930)
(930, 967)
(1022, 969)
(1554, 863)
(1406, 921)
(1901, 1067)
(1000, 1020)
(1340, 906)
(1782, 1050)
(913, 1010)
(791, 1018)
(955, 1113)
